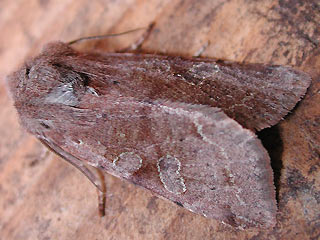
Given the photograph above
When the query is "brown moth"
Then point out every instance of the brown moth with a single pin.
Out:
(180, 127)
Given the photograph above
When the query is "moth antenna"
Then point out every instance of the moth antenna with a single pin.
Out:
(103, 36)
(137, 45)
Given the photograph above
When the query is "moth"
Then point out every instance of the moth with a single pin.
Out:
(184, 128)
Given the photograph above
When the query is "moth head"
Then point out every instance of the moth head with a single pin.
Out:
(38, 75)
(45, 83)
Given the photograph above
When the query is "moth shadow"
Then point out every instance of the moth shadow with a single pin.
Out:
(271, 140)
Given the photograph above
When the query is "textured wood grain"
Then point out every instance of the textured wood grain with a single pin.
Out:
(42, 197)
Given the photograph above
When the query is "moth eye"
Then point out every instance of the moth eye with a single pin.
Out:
(27, 71)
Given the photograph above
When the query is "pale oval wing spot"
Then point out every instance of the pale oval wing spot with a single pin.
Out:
(128, 162)
(169, 172)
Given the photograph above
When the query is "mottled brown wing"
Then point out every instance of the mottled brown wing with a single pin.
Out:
(255, 95)
(194, 155)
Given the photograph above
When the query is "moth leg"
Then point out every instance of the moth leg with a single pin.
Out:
(136, 46)
(102, 193)
(75, 162)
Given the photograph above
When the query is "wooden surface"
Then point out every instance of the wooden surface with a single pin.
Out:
(43, 197)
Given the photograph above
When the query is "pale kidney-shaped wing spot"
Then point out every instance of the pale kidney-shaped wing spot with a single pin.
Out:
(127, 163)
(169, 172)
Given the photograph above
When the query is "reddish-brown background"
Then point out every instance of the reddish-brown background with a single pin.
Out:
(42, 197)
